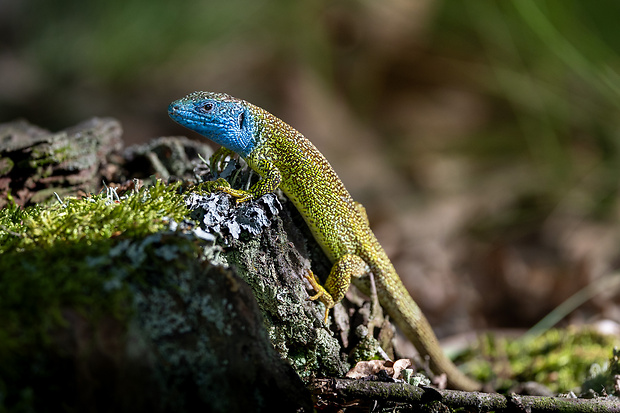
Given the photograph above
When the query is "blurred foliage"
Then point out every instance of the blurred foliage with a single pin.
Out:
(552, 66)
(115, 41)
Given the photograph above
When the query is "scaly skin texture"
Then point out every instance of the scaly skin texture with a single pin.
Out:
(284, 158)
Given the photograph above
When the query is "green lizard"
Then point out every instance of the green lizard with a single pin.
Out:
(285, 159)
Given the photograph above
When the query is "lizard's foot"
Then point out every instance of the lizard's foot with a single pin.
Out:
(218, 185)
(222, 185)
(321, 293)
(240, 194)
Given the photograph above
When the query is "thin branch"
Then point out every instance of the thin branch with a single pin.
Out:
(474, 401)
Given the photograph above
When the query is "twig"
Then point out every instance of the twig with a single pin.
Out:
(473, 401)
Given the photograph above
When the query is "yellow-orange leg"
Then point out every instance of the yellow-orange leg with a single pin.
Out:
(338, 281)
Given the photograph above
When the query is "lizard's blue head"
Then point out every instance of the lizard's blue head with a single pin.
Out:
(217, 116)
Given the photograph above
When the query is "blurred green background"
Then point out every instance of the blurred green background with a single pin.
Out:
(482, 137)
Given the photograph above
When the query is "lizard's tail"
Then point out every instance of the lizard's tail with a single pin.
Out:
(406, 313)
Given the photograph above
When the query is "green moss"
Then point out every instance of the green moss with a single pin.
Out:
(366, 349)
(84, 261)
(75, 257)
(559, 359)
(43, 155)
(35, 288)
(90, 219)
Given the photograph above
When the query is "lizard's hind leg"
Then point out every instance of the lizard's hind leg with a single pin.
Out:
(338, 281)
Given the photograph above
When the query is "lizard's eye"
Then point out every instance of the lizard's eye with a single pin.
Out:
(207, 107)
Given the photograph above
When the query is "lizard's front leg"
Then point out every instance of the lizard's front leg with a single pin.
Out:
(338, 281)
(269, 182)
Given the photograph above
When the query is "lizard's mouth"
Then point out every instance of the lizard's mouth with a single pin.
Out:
(173, 110)
(179, 113)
